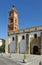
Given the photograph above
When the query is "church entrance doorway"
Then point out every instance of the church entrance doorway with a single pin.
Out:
(35, 50)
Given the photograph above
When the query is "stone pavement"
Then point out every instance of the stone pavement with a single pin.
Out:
(18, 58)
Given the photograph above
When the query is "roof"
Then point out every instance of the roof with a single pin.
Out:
(27, 30)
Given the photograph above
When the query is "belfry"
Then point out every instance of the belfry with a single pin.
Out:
(13, 20)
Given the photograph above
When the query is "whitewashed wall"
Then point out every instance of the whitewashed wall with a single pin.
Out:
(22, 43)
(12, 44)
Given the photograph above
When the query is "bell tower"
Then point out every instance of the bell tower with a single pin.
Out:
(13, 20)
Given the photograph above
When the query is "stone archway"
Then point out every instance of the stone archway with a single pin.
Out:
(35, 50)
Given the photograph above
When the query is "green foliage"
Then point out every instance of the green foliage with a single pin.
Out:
(2, 48)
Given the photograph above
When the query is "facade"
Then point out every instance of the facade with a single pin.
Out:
(27, 40)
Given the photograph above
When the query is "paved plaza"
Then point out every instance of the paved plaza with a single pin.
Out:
(17, 59)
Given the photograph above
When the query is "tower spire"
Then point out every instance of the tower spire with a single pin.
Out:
(13, 6)
(13, 20)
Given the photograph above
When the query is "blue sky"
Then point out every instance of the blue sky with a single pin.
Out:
(29, 14)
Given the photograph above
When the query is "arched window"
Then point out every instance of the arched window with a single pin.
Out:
(23, 37)
(12, 38)
(11, 20)
(35, 35)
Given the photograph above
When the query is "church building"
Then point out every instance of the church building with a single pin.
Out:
(27, 40)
